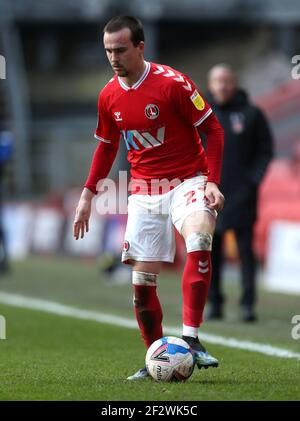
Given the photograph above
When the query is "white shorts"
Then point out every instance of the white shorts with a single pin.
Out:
(149, 235)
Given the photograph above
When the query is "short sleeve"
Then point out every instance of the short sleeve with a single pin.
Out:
(106, 130)
(189, 102)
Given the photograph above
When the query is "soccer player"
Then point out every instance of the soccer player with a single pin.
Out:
(157, 111)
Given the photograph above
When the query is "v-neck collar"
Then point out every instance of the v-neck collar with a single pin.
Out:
(139, 82)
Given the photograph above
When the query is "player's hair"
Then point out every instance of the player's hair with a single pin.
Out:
(133, 24)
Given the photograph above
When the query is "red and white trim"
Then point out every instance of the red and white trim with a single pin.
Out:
(101, 139)
(204, 117)
(139, 82)
(161, 70)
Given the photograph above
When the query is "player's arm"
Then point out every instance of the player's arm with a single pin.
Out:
(196, 111)
(102, 162)
(108, 135)
(215, 144)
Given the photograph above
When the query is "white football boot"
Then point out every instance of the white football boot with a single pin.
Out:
(142, 373)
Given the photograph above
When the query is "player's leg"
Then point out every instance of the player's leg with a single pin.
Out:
(197, 231)
(149, 241)
(196, 223)
(147, 308)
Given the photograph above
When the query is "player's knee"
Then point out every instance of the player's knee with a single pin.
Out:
(144, 278)
(147, 267)
(198, 241)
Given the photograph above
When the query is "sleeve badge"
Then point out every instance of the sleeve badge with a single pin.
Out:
(197, 100)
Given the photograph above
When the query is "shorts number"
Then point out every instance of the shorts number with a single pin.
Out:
(190, 197)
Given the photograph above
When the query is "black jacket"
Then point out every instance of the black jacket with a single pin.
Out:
(247, 152)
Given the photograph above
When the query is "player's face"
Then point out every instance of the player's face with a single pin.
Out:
(222, 85)
(123, 56)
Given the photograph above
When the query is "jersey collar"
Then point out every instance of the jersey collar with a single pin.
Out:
(139, 82)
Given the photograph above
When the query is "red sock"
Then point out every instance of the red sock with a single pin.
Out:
(195, 283)
(148, 313)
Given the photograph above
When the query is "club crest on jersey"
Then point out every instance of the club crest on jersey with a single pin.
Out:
(197, 100)
(152, 111)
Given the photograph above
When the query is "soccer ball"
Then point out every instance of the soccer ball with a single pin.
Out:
(170, 359)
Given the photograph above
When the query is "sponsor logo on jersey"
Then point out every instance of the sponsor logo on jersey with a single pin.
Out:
(197, 100)
(126, 245)
(145, 139)
(152, 111)
(118, 116)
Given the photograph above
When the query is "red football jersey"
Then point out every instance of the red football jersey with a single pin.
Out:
(157, 119)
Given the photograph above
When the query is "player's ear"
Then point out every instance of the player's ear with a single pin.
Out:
(141, 46)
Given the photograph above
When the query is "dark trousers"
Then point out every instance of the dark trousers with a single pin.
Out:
(248, 268)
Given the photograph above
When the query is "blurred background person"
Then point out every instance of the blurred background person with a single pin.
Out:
(247, 152)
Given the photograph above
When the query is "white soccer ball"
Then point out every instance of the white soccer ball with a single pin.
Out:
(170, 359)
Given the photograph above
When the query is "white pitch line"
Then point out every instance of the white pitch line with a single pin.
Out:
(64, 310)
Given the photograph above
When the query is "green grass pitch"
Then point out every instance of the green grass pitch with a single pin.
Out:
(49, 357)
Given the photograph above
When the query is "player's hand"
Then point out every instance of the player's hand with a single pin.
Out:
(82, 216)
(215, 199)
